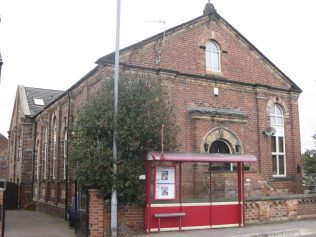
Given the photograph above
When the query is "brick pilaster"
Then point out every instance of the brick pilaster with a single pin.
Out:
(96, 210)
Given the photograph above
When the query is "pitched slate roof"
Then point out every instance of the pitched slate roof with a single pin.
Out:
(35, 99)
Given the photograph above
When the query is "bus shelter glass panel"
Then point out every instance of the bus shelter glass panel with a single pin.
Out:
(224, 184)
(201, 183)
(195, 183)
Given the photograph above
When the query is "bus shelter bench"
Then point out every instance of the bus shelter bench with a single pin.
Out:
(169, 215)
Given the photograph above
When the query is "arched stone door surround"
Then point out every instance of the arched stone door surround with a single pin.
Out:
(221, 134)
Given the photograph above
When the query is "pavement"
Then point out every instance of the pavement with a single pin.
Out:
(24, 223)
(291, 228)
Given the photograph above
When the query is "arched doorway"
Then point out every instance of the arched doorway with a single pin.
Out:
(219, 146)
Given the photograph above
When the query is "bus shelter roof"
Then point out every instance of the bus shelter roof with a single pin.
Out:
(201, 157)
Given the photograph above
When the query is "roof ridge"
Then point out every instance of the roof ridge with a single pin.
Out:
(42, 88)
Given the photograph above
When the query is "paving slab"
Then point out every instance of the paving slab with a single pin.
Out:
(24, 223)
(290, 228)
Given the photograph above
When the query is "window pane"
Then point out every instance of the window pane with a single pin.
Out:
(208, 59)
(281, 165)
(272, 120)
(273, 144)
(278, 110)
(280, 121)
(214, 47)
(272, 109)
(208, 46)
(274, 165)
(281, 145)
(215, 61)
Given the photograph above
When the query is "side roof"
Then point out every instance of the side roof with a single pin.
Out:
(35, 99)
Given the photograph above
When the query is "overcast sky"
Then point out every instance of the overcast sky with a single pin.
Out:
(52, 44)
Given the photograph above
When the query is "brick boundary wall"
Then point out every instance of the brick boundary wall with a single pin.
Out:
(257, 211)
(130, 217)
(25, 194)
(281, 208)
(51, 209)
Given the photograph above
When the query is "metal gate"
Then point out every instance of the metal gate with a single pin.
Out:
(11, 196)
(10, 200)
(81, 219)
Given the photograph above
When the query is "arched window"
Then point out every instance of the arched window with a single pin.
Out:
(20, 147)
(45, 153)
(54, 149)
(276, 116)
(38, 159)
(278, 141)
(65, 153)
(212, 56)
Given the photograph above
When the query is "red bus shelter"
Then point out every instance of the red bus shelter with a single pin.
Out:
(194, 190)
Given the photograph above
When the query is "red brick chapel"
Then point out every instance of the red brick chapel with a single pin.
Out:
(227, 96)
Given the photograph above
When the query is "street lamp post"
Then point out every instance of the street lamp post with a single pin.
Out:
(116, 80)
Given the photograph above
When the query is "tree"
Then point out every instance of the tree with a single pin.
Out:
(143, 108)
(309, 165)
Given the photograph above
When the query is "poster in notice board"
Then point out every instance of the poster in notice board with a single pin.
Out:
(165, 183)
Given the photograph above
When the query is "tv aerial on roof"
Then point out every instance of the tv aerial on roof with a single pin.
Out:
(159, 50)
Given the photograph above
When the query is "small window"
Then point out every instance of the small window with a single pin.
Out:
(38, 101)
(212, 56)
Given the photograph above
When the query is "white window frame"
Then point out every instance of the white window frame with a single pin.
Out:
(38, 101)
(277, 122)
(211, 56)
